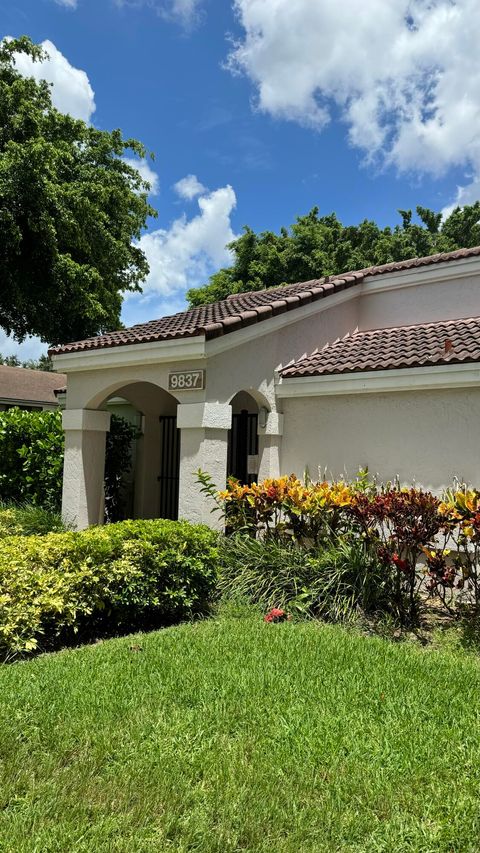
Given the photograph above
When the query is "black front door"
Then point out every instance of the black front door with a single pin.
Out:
(169, 467)
(242, 444)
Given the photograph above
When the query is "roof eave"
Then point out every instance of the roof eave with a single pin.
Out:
(431, 377)
(129, 355)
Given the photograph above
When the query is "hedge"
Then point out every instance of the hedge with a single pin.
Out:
(67, 587)
(31, 460)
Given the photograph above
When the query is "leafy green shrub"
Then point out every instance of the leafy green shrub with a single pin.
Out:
(331, 583)
(31, 460)
(121, 577)
(31, 457)
(28, 520)
(118, 461)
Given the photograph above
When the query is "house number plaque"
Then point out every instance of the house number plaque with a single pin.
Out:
(186, 380)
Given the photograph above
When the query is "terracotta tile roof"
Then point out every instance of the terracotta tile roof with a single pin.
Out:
(447, 342)
(20, 385)
(243, 309)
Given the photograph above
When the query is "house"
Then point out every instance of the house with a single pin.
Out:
(29, 389)
(378, 367)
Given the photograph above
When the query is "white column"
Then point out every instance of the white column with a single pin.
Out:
(270, 444)
(204, 444)
(84, 466)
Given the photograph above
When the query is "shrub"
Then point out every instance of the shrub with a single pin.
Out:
(31, 460)
(31, 457)
(28, 520)
(284, 508)
(117, 578)
(398, 525)
(118, 461)
(331, 583)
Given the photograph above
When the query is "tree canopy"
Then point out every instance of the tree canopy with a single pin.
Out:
(70, 207)
(315, 246)
(42, 363)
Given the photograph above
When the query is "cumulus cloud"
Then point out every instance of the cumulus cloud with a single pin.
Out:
(185, 254)
(189, 187)
(185, 12)
(146, 172)
(404, 75)
(71, 89)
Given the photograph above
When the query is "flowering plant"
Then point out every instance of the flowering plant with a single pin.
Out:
(276, 615)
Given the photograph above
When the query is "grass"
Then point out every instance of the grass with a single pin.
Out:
(26, 519)
(232, 735)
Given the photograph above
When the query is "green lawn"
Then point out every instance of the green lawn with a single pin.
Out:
(234, 735)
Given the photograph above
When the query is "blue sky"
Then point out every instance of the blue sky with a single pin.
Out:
(274, 106)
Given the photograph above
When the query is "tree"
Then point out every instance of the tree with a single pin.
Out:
(316, 245)
(70, 207)
(42, 363)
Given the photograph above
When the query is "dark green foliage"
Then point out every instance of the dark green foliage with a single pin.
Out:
(31, 457)
(70, 210)
(118, 461)
(31, 460)
(64, 587)
(331, 583)
(315, 246)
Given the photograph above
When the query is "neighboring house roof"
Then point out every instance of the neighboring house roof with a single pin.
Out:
(20, 385)
(243, 309)
(446, 342)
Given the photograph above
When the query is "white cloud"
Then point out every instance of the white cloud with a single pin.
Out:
(71, 90)
(31, 347)
(404, 75)
(70, 4)
(189, 187)
(468, 194)
(147, 173)
(185, 12)
(185, 254)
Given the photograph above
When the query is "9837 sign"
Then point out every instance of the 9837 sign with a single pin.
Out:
(186, 380)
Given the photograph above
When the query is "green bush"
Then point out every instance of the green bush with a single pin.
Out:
(331, 583)
(62, 587)
(28, 520)
(31, 457)
(31, 460)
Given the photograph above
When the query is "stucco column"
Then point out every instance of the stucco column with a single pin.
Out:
(84, 466)
(204, 444)
(270, 444)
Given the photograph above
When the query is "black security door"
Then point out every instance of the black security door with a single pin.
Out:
(169, 467)
(243, 443)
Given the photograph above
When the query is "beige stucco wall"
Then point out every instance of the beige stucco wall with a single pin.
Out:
(423, 303)
(427, 436)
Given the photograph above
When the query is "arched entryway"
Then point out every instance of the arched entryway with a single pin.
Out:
(243, 454)
(152, 484)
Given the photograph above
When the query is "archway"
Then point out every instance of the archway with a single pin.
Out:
(152, 484)
(243, 456)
